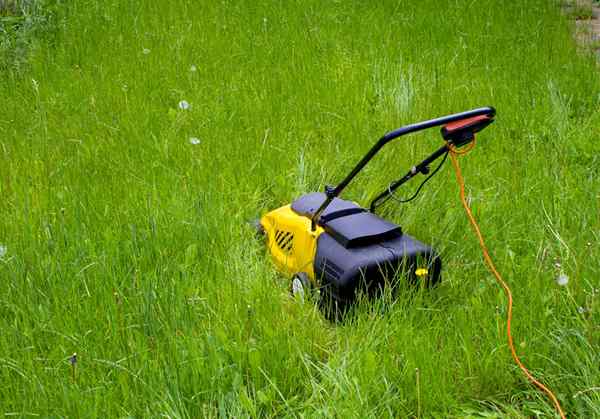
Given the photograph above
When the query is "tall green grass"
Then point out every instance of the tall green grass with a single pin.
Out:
(129, 245)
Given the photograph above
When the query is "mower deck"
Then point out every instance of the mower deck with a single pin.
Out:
(359, 251)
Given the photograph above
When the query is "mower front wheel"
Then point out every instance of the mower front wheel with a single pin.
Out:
(301, 287)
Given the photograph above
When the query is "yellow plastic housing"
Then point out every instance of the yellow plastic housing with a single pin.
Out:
(290, 241)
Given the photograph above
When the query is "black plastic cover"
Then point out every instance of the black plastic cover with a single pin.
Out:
(308, 204)
(344, 271)
(348, 223)
(361, 229)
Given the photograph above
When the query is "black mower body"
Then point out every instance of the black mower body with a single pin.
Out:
(361, 252)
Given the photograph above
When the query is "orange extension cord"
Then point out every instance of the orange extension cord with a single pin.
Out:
(453, 156)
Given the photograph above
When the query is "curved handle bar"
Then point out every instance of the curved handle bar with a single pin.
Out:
(392, 135)
(419, 126)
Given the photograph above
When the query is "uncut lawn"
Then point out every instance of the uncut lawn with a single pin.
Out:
(128, 244)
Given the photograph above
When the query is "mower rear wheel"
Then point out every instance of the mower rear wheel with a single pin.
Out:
(300, 287)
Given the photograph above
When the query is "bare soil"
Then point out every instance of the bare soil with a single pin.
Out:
(586, 14)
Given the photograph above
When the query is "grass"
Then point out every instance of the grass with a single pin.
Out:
(25, 25)
(127, 244)
(579, 11)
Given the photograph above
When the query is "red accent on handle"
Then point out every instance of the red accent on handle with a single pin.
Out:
(456, 125)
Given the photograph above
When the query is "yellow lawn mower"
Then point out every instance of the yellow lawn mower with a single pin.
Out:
(341, 249)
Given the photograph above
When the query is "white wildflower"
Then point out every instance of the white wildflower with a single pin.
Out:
(145, 51)
(581, 310)
(194, 140)
(184, 105)
(562, 280)
(2, 251)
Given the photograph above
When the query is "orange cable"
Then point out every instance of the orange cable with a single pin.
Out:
(455, 150)
(504, 285)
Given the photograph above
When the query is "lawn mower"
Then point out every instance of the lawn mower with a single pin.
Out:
(342, 249)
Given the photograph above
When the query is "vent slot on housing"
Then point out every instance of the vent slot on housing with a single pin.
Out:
(332, 271)
(284, 240)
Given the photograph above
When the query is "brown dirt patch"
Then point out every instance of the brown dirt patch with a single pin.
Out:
(586, 14)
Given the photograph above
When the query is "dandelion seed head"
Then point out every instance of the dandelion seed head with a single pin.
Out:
(562, 280)
(194, 140)
(184, 105)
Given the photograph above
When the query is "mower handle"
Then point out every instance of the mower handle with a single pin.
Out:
(419, 126)
(333, 192)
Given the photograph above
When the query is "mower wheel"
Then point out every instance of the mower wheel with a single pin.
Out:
(300, 287)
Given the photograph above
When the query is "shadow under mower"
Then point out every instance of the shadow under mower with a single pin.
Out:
(342, 249)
